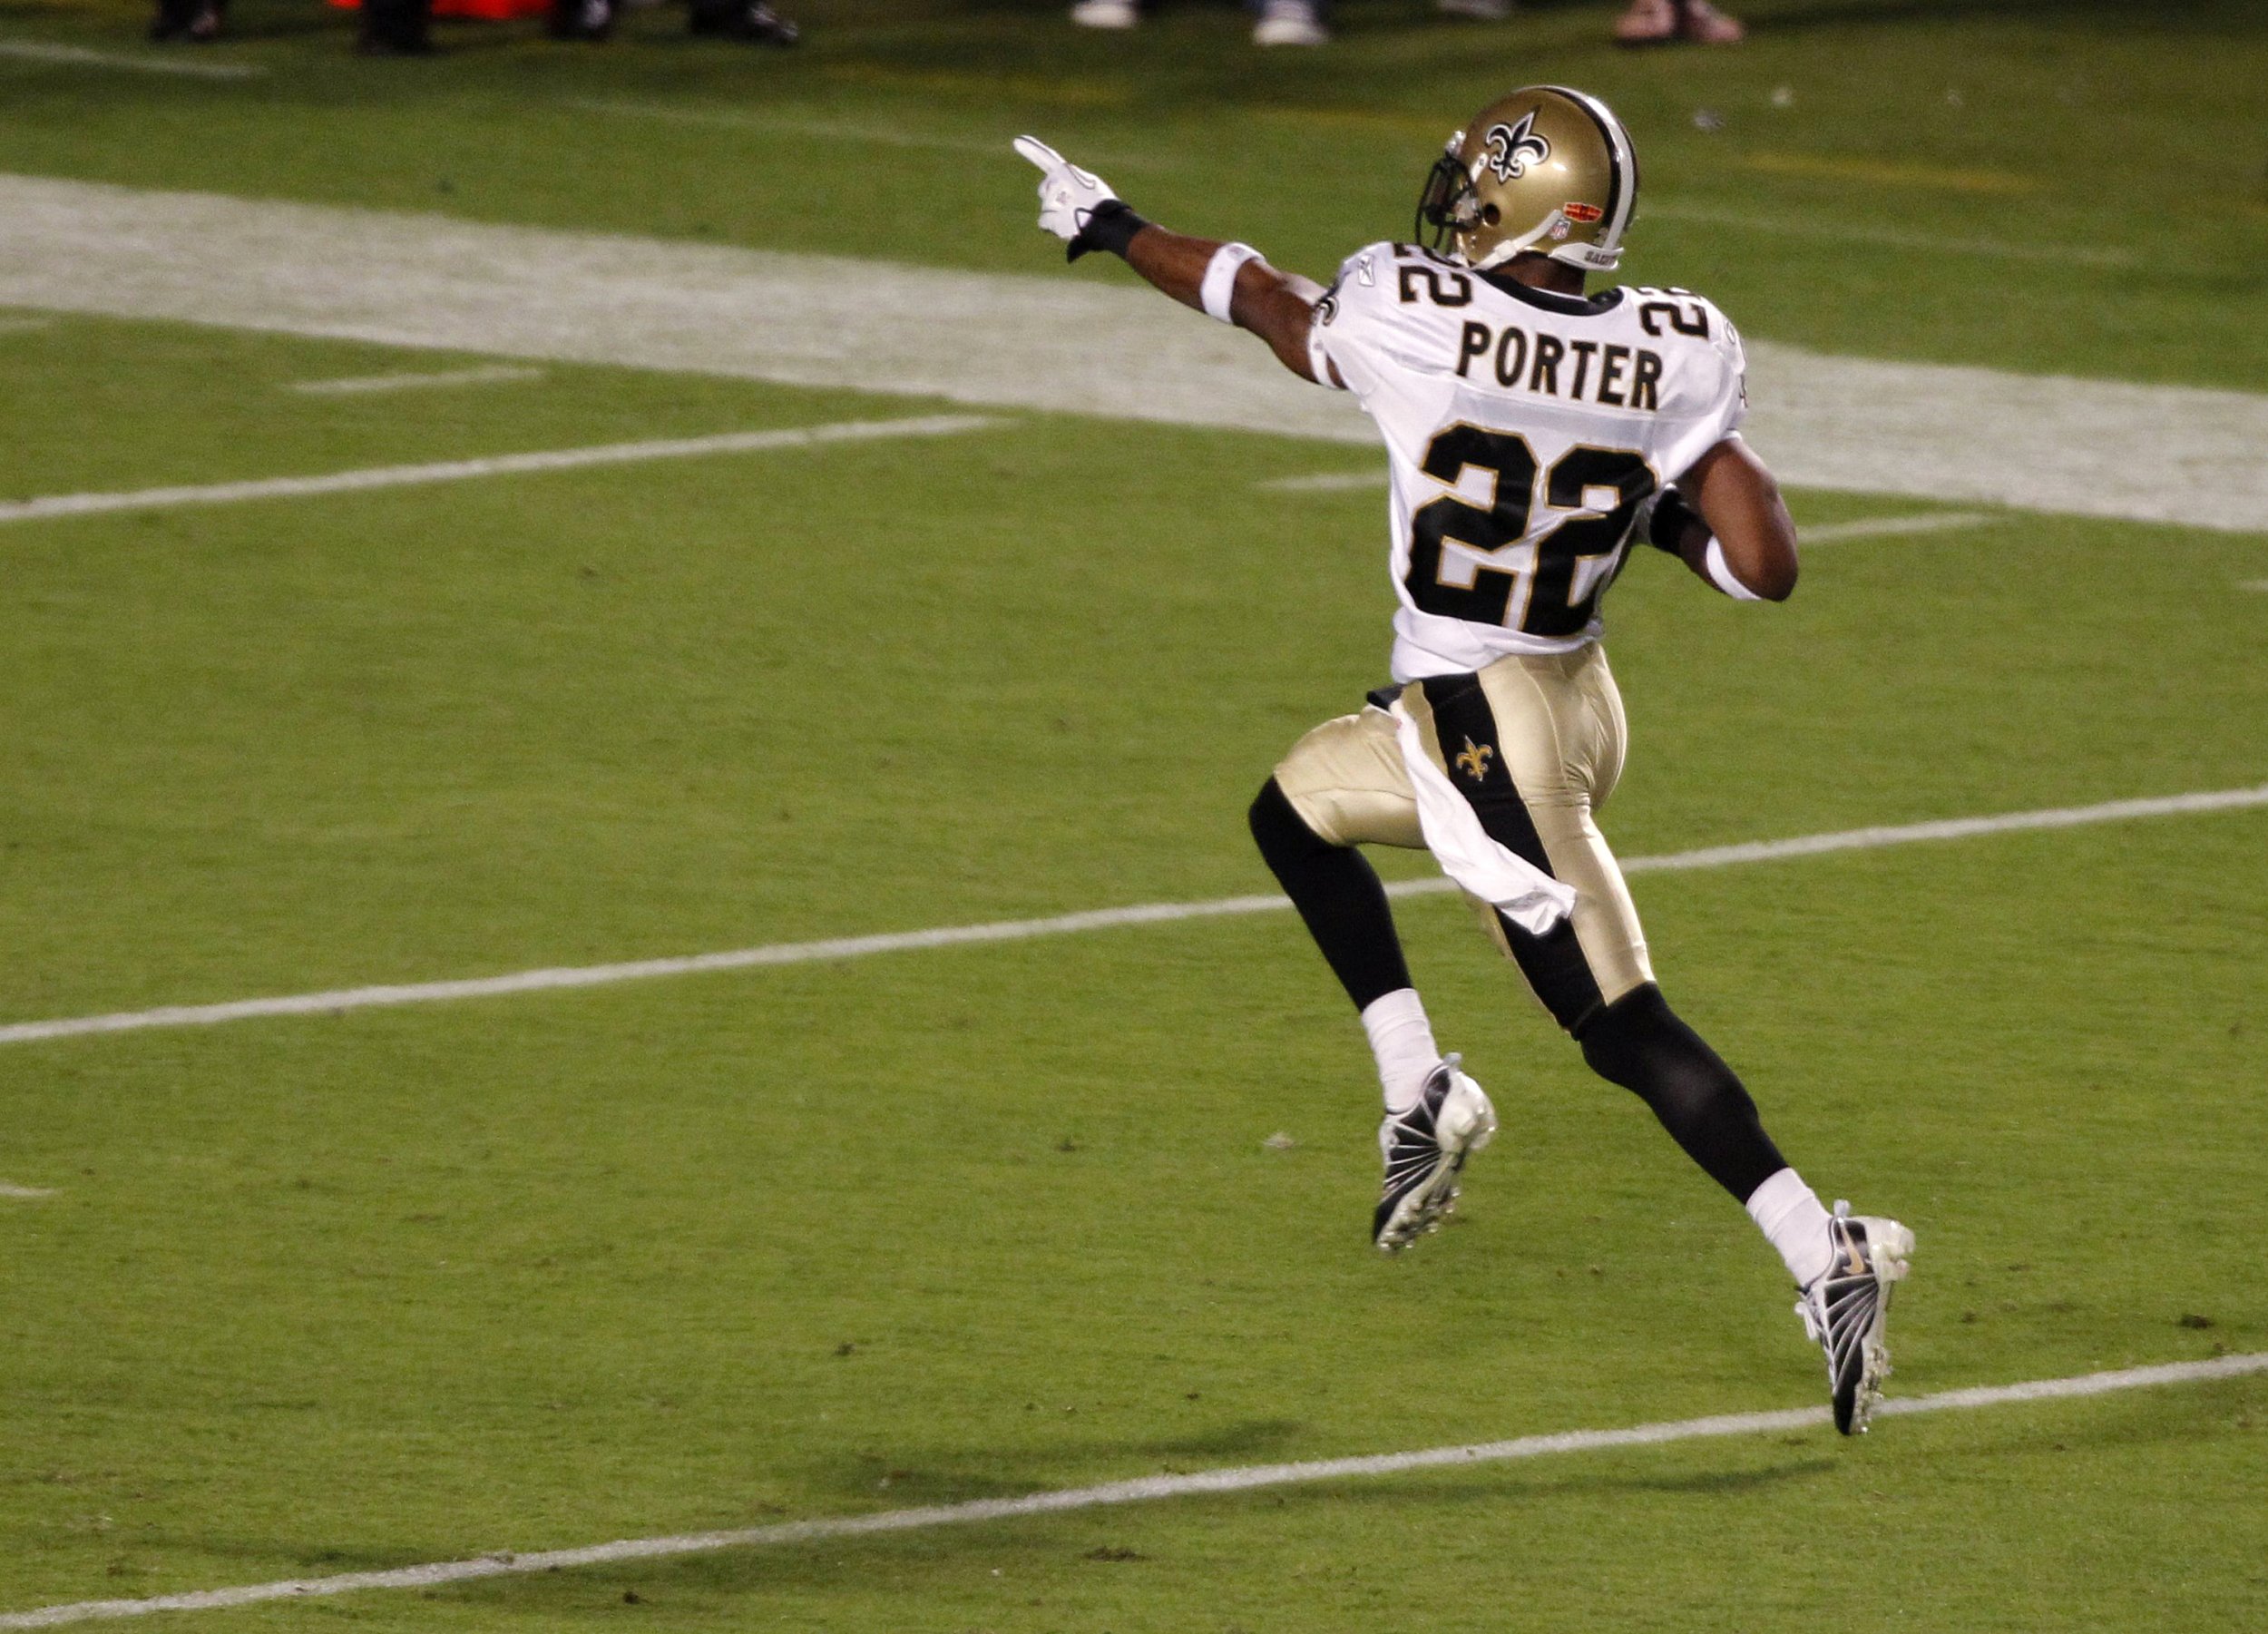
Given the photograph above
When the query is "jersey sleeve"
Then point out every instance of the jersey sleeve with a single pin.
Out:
(1349, 332)
(1729, 406)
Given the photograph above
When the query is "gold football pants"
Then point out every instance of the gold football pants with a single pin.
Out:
(1536, 744)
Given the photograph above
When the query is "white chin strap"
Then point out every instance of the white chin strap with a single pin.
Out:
(1590, 258)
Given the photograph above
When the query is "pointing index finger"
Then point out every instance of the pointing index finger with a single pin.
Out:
(1039, 153)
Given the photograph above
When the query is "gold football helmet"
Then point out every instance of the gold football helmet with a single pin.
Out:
(1545, 170)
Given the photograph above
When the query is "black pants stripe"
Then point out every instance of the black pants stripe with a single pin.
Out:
(1553, 963)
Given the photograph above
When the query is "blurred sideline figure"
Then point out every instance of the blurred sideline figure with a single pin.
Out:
(396, 28)
(1280, 22)
(196, 20)
(404, 27)
(751, 20)
(1659, 21)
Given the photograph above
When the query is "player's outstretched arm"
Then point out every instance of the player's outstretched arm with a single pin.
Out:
(1726, 521)
(1231, 282)
(1277, 306)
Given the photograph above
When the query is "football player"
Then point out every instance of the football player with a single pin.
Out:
(1534, 432)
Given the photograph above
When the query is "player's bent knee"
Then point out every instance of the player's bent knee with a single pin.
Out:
(1640, 1042)
(1278, 829)
(1641, 1009)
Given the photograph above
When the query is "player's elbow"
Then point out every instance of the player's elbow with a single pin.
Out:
(1757, 560)
(1741, 503)
(1282, 317)
(1768, 563)
(1774, 580)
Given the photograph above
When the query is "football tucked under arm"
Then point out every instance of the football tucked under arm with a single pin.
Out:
(1228, 281)
(1725, 520)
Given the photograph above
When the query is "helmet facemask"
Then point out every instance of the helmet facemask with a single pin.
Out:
(1450, 207)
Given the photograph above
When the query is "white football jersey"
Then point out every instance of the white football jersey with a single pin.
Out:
(1526, 433)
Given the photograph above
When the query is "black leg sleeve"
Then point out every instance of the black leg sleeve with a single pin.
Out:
(1638, 1042)
(1337, 894)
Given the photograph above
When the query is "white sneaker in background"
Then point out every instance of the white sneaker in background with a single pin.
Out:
(1290, 23)
(1106, 13)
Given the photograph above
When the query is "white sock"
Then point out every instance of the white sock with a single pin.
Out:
(1788, 1213)
(1402, 1040)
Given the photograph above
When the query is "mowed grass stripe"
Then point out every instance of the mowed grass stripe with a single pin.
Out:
(503, 464)
(1149, 1489)
(1018, 929)
(1892, 238)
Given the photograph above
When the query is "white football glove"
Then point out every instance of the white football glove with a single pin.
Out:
(1068, 195)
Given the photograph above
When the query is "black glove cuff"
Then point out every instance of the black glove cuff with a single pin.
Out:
(1667, 530)
(1111, 226)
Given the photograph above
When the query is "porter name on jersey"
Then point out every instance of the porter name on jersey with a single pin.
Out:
(1626, 378)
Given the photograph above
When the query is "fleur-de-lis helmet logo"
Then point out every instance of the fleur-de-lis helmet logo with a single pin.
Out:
(1510, 149)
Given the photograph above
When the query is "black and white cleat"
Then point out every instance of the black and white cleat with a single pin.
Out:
(1425, 1149)
(1847, 1310)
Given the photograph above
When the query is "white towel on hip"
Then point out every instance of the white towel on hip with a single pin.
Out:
(1528, 896)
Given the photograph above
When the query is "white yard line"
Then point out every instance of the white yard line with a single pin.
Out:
(1326, 482)
(1049, 339)
(2255, 584)
(360, 385)
(1951, 828)
(24, 1193)
(503, 464)
(1887, 527)
(1147, 1489)
(75, 56)
(1019, 930)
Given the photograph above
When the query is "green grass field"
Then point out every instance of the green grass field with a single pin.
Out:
(341, 1292)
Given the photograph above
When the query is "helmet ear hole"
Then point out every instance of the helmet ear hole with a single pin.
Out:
(1490, 215)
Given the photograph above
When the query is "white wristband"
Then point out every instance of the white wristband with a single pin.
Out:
(1720, 574)
(1220, 278)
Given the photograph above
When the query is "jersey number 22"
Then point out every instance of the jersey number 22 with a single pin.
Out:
(1551, 605)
